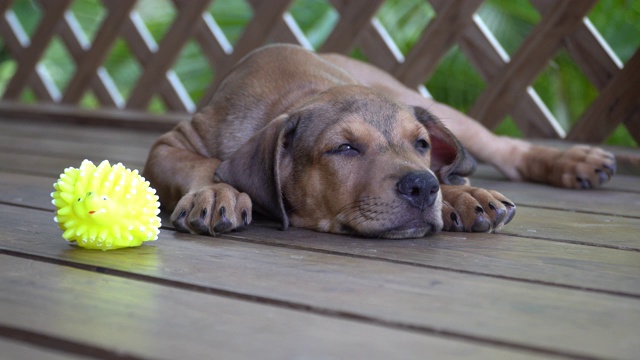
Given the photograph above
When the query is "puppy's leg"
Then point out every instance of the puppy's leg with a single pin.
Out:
(179, 168)
(579, 167)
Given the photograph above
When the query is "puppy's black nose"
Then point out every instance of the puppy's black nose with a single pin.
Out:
(420, 189)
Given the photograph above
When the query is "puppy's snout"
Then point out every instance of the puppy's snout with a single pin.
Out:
(420, 189)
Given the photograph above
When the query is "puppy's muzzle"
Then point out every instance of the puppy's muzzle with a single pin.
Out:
(419, 189)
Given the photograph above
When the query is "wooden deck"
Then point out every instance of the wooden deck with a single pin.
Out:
(562, 280)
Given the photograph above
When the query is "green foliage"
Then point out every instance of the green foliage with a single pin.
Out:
(562, 86)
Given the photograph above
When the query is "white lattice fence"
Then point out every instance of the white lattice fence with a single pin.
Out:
(509, 79)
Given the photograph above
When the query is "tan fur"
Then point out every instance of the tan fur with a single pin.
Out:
(270, 141)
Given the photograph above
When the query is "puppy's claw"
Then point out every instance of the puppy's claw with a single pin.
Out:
(199, 226)
(584, 183)
(245, 219)
(456, 224)
(511, 211)
(499, 216)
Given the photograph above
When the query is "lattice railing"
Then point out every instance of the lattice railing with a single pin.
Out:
(509, 79)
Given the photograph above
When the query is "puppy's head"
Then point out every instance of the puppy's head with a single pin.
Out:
(351, 160)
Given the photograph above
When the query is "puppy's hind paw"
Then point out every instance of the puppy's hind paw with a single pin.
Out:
(579, 167)
(212, 210)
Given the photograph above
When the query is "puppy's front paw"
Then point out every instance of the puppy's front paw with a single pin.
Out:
(579, 167)
(471, 209)
(212, 210)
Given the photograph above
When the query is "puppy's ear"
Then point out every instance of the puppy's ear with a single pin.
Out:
(449, 160)
(255, 168)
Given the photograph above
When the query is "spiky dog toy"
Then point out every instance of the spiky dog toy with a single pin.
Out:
(105, 207)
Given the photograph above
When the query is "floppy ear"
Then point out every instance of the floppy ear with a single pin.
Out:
(449, 160)
(255, 168)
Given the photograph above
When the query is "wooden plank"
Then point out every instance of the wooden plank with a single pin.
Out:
(521, 315)
(509, 257)
(118, 317)
(48, 165)
(354, 17)
(63, 113)
(174, 40)
(67, 149)
(27, 190)
(537, 49)
(582, 228)
(616, 103)
(28, 58)
(601, 201)
(620, 182)
(100, 47)
(23, 350)
(440, 34)
(81, 134)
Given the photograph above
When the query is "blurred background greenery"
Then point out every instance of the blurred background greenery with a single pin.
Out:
(562, 86)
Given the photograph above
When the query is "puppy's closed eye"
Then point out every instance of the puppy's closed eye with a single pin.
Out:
(345, 149)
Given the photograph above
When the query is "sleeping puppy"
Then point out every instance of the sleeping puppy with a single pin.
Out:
(321, 142)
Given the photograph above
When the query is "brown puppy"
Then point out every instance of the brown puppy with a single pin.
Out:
(326, 143)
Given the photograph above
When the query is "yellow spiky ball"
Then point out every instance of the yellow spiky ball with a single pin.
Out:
(105, 207)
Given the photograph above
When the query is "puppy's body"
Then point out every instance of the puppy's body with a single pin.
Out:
(322, 142)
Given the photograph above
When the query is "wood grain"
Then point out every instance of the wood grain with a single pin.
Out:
(354, 17)
(105, 36)
(77, 44)
(618, 102)
(30, 56)
(122, 317)
(70, 149)
(25, 350)
(439, 35)
(502, 92)
(519, 313)
(49, 165)
(143, 47)
(255, 34)
(620, 182)
(170, 47)
(599, 201)
(62, 113)
(16, 41)
(88, 135)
